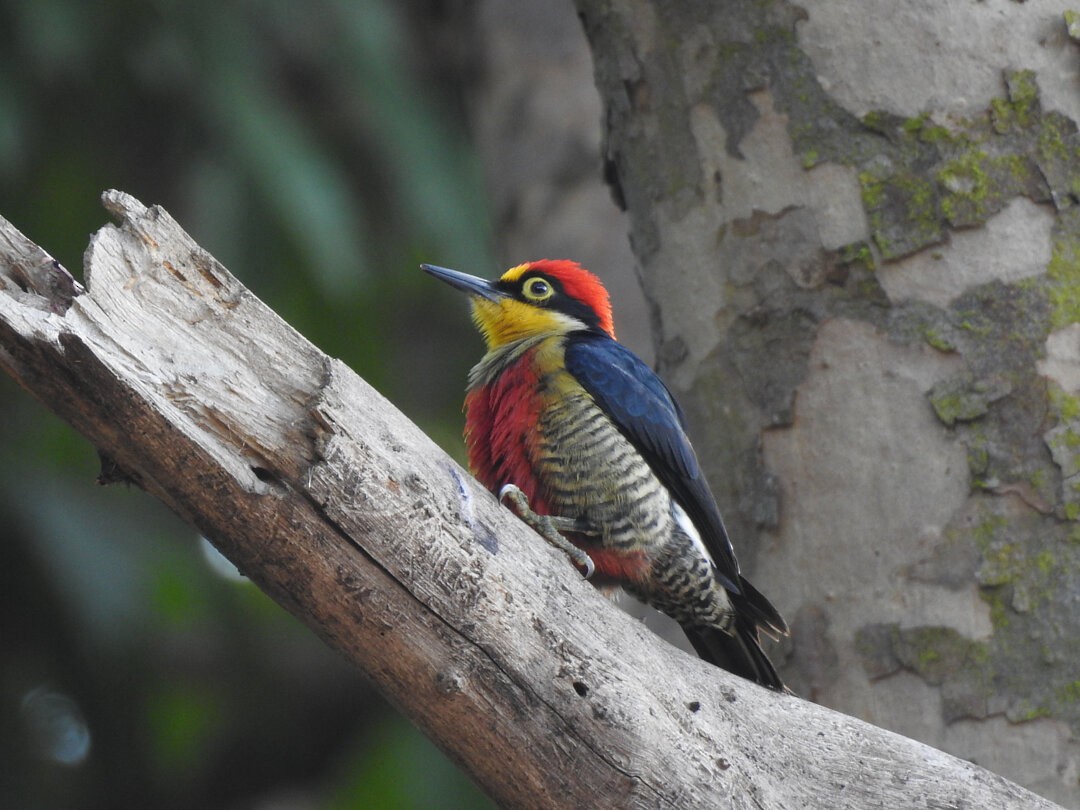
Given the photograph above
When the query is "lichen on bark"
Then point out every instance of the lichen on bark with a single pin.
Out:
(998, 405)
(924, 182)
(1028, 572)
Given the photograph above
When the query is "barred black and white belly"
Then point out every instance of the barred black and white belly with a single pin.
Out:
(589, 471)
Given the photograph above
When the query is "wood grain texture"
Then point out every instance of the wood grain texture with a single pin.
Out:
(350, 518)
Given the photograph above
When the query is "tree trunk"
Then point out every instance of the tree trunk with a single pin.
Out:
(858, 227)
(348, 516)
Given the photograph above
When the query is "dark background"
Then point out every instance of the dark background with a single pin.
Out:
(318, 150)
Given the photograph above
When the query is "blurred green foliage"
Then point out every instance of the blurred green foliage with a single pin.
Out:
(317, 150)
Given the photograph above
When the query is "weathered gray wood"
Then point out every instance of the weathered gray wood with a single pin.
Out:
(353, 520)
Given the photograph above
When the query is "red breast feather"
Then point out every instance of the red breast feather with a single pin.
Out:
(501, 430)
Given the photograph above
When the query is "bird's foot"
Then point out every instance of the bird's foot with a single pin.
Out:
(549, 527)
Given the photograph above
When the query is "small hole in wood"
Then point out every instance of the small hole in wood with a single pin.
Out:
(265, 475)
(581, 688)
(694, 706)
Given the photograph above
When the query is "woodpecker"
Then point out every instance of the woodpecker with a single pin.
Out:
(590, 447)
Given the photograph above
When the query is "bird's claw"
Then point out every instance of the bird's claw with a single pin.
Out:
(548, 527)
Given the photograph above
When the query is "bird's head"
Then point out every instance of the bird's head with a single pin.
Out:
(551, 296)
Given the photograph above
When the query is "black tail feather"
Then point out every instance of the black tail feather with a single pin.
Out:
(753, 604)
(739, 653)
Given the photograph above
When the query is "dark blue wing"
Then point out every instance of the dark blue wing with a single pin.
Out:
(643, 409)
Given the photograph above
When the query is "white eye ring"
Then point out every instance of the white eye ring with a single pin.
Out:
(537, 289)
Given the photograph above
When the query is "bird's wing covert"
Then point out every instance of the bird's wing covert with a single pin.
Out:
(644, 411)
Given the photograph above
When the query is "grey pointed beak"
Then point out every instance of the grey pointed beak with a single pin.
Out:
(473, 285)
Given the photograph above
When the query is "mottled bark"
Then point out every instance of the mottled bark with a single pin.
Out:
(859, 231)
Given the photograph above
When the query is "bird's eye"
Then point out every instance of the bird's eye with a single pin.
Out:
(537, 290)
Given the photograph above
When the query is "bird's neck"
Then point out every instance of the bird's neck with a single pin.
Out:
(500, 358)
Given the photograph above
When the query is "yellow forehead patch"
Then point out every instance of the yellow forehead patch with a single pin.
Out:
(514, 273)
